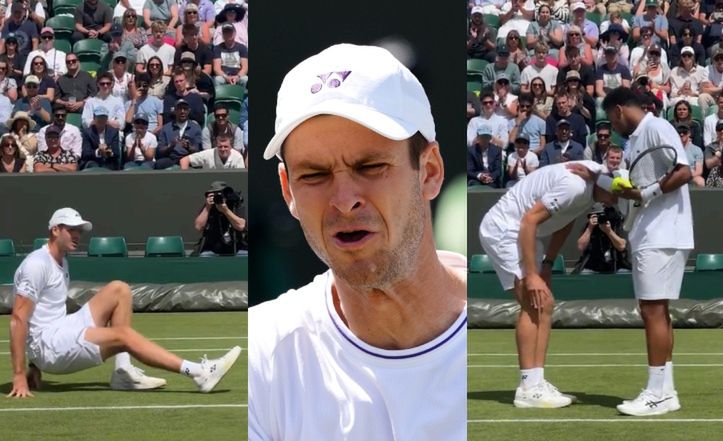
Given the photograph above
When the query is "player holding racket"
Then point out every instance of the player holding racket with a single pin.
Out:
(661, 236)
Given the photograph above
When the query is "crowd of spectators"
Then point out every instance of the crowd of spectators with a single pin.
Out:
(538, 71)
(146, 99)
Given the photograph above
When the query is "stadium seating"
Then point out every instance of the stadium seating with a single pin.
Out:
(39, 242)
(709, 262)
(7, 248)
(164, 246)
(558, 267)
(492, 20)
(107, 247)
(62, 25)
(65, 6)
(232, 95)
(63, 45)
(474, 86)
(74, 119)
(480, 263)
(596, 18)
(476, 65)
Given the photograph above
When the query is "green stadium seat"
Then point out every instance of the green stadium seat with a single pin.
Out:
(164, 246)
(709, 262)
(63, 45)
(475, 65)
(107, 247)
(492, 20)
(7, 248)
(230, 94)
(65, 6)
(39, 242)
(88, 46)
(474, 86)
(481, 263)
(74, 119)
(596, 18)
(62, 25)
(558, 267)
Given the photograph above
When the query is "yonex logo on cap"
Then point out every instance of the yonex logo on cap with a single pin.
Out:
(330, 79)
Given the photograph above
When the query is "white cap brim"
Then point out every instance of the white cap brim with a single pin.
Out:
(86, 226)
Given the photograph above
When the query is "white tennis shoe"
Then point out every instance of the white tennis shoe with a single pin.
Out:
(573, 398)
(649, 404)
(214, 370)
(540, 396)
(133, 378)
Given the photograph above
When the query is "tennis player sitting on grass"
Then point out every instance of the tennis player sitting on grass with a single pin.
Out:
(61, 344)
(546, 203)
(661, 236)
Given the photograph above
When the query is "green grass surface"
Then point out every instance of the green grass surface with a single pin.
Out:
(220, 415)
(602, 367)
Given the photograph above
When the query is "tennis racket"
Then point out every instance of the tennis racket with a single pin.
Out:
(650, 167)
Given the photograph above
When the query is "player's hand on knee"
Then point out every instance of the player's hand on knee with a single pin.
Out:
(537, 291)
(20, 387)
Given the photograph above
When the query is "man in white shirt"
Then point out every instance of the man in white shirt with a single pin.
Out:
(488, 117)
(374, 348)
(105, 98)
(711, 121)
(221, 156)
(70, 137)
(544, 204)
(157, 47)
(659, 257)
(53, 57)
(539, 68)
(62, 343)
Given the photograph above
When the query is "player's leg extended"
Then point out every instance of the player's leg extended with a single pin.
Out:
(527, 328)
(118, 339)
(658, 331)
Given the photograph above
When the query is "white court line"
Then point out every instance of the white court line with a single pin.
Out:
(601, 420)
(176, 350)
(591, 354)
(677, 365)
(179, 338)
(160, 406)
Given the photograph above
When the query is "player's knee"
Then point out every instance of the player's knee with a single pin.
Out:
(124, 334)
(120, 287)
(548, 304)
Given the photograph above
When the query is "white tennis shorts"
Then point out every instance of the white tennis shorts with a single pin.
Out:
(502, 247)
(658, 273)
(62, 347)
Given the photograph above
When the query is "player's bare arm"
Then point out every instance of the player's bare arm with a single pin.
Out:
(536, 289)
(22, 309)
(553, 248)
(680, 176)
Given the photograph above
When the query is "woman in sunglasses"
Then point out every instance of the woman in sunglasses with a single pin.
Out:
(518, 54)
(574, 37)
(8, 86)
(11, 159)
(39, 68)
(159, 82)
(190, 15)
(131, 32)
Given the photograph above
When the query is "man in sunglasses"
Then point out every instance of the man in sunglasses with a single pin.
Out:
(25, 30)
(37, 106)
(488, 117)
(54, 58)
(75, 87)
(70, 136)
(597, 151)
(105, 98)
(221, 125)
(150, 106)
(683, 19)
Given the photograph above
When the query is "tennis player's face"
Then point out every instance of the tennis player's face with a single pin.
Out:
(67, 238)
(363, 207)
(620, 122)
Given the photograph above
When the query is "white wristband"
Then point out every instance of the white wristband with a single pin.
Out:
(650, 193)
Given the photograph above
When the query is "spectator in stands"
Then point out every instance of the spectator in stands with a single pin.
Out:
(118, 46)
(602, 243)
(563, 110)
(140, 144)
(516, 15)
(518, 54)
(710, 123)
(491, 7)
(39, 68)
(521, 162)
(505, 102)
(219, 157)
(693, 152)
(164, 11)
(189, 95)
(20, 126)
(562, 148)
(542, 105)
(33, 10)
(75, 87)
(104, 98)
(14, 60)
(70, 136)
(157, 47)
(688, 80)
(180, 137)
(713, 159)
(220, 125)
(501, 64)
(11, 158)
(587, 73)
(639, 55)
(136, 36)
(37, 107)
(158, 82)
(191, 43)
(528, 124)
(8, 85)
(481, 39)
(490, 119)
(714, 45)
(101, 142)
(685, 17)
(206, 11)
(123, 86)
(54, 58)
(687, 39)
(93, 19)
(230, 59)
(6, 107)
(615, 17)
(610, 75)
(197, 80)
(55, 158)
(714, 30)
(24, 33)
(191, 18)
(655, 76)
(473, 105)
(539, 68)
(614, 159)
(652, 19)
(714, 85)
(683, 113)
(545, 30)
(147, 105)
(590, 31)
(663, 7)
(220, 222)
(231, 14)
(484, 160)
(124, 6)
(579, 100)
(573, 37)
(597, 151)
(616, 37)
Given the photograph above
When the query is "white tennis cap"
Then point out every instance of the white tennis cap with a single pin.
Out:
(364, 84)
(69, 217)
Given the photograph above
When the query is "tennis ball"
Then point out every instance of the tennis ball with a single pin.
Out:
(620, 184)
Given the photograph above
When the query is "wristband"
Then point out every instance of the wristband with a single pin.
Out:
(650, 193)
(548, 261)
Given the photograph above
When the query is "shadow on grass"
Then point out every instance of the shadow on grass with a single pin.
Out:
(583, 399)
(57, 386)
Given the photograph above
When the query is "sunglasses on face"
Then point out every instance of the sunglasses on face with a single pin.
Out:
(503, 82)
(104, 83)
(47, 37)
(38, 63)
(524, 106)
(9, 145)
(3, 68)
(487, 103)
(513, 37)
(31, 86)
(71, 61)
(12, 42)
(603, 136)
(191, 12)
(154, 65)
(130, 16)
(60, 115)
(574, 34)
(221, 115)
(719, 129)
(536, 85)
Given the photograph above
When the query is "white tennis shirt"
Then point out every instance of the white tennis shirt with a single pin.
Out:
(310, 378)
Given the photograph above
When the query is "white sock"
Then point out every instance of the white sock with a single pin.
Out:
(668, 384)
(190, 368)
(540, 374)
(656, 378)
(122, 360)
(530, 378)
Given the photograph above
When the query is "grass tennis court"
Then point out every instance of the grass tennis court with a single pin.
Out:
(81, 406)
(601, 367)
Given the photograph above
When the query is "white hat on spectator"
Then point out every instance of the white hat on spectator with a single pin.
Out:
(578, 5)
(364, 84)
(477, 10)
(69, 217)
(687, 50)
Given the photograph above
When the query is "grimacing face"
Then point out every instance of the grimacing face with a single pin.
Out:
(67, 238)
(339, 191)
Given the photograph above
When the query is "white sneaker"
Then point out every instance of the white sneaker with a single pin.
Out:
(674, 402)
(132, 378)
(649, 404)
(540, 396)
(550, 386)
(214, 370)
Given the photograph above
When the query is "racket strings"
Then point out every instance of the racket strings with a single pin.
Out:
(651, 166)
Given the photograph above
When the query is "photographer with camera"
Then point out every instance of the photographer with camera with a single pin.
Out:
(601, 243)
(224, 230)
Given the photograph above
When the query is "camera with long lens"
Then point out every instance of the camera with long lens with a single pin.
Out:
(217, 197)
